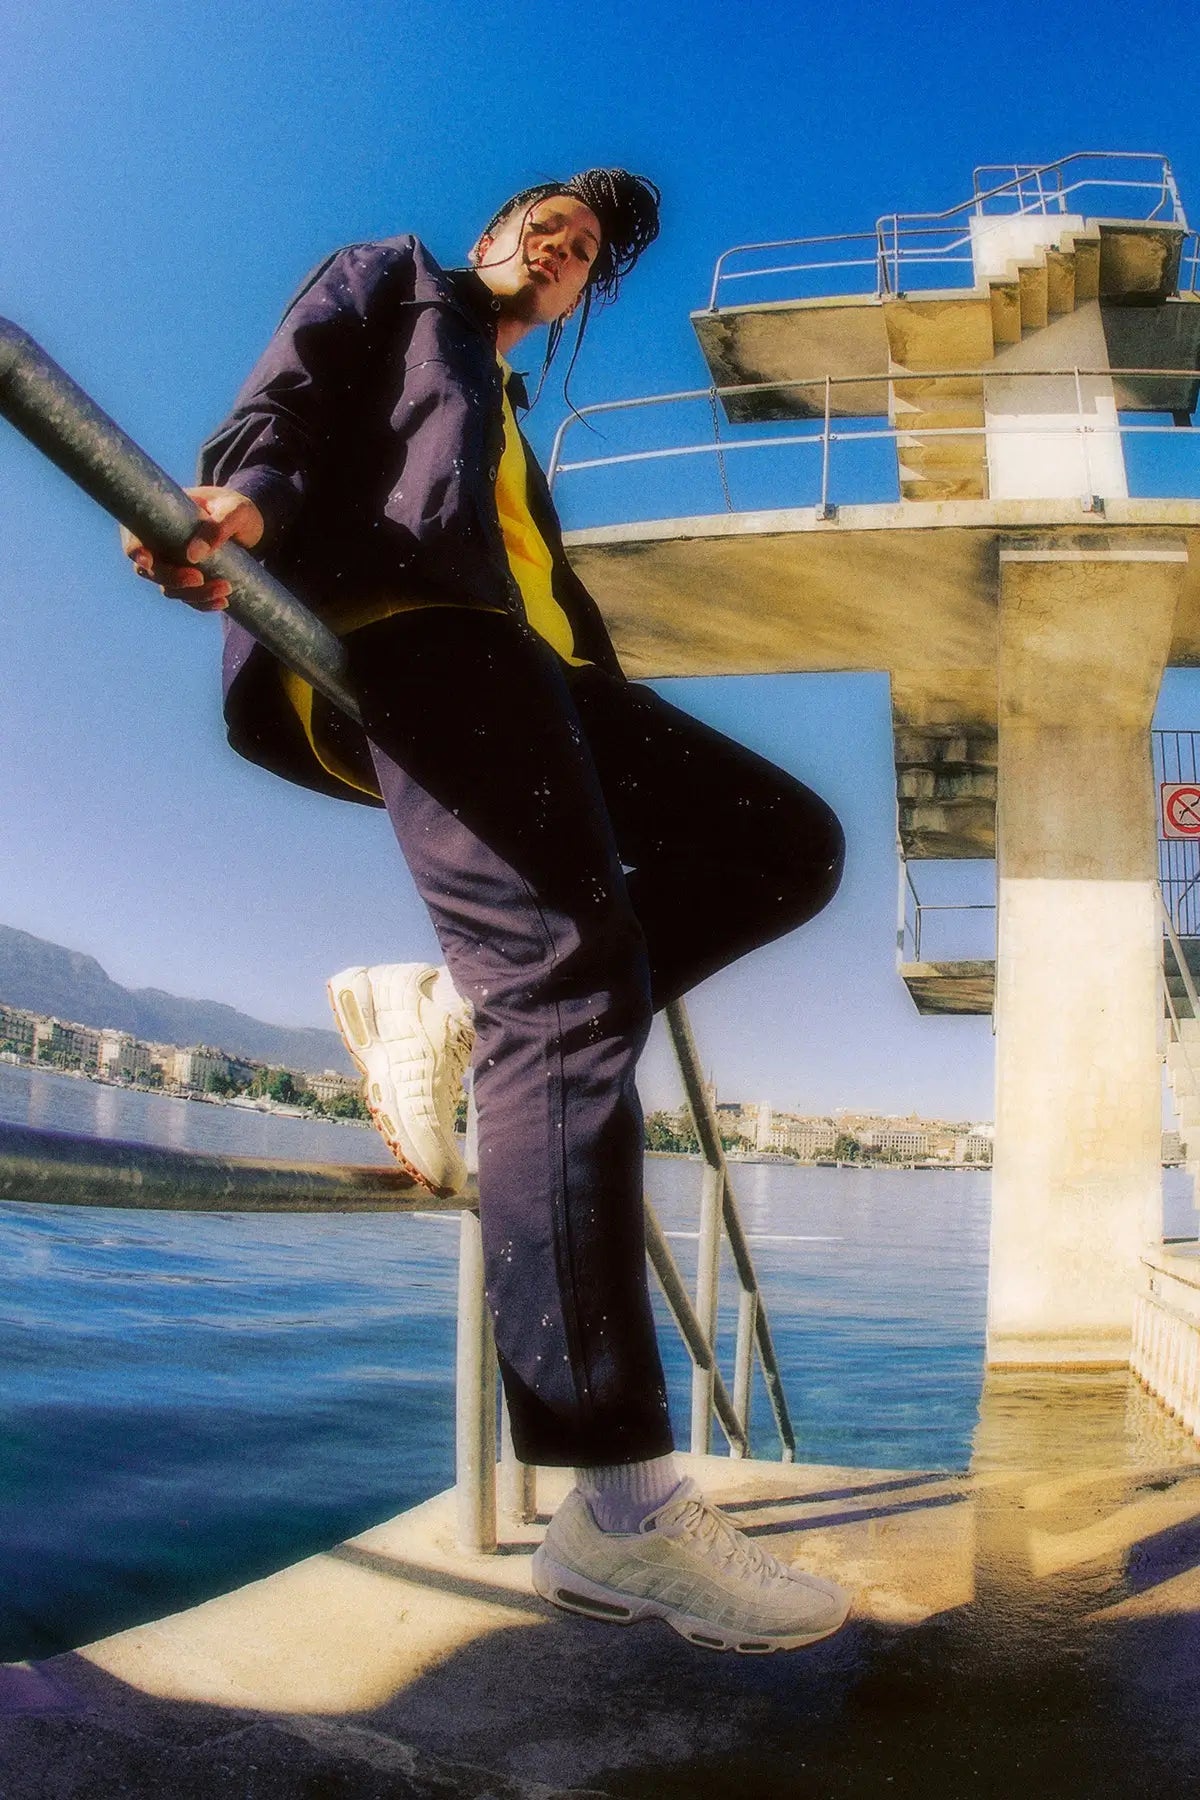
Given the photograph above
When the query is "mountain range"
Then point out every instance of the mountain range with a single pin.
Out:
(46, 978)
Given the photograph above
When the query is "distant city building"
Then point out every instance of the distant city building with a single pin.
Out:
(196, 1066)
(62, 1041)
(328, 1085)
(977, 1145)
(17, 1030)
(806, 1138)
(121, 1056)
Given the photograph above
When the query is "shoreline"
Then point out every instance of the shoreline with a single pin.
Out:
(270, 1108)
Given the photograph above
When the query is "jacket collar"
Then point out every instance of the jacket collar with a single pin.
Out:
(476, 298)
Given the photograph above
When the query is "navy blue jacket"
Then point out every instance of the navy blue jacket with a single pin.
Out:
(368, 434)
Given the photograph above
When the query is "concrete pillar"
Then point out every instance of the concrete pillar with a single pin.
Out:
(1084, 634)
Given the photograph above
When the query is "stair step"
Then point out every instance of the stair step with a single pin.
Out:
(967, 416)
(1084, 248)
(1060, 281)
(937, 458)
(948, 785)
(974, 488)
(1006, 312)
(1035, 288)
(933, 829)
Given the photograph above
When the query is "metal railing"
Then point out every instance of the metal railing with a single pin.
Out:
(1176, 760)
(822, 440)
(903, 244)
(910, 919)
(52, 1168)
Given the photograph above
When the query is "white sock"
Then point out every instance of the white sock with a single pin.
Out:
(621, 1495)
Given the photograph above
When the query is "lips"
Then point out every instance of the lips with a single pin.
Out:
(543, 266)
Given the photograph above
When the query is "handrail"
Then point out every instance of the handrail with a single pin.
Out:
(752, 1318)
(57, 1168)
(56, 415)
(64, 422)
(826, 436)
(889, 227)
(904, 930)
(1189, 986)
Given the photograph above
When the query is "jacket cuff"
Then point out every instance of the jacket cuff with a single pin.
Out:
(275, 498)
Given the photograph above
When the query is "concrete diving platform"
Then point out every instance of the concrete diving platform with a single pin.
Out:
(1030, 1625)
(966, 986)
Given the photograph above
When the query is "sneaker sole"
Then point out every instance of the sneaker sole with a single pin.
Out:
(356, 1036)
(575, 1593)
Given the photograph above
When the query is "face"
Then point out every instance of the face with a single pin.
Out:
(538, 260)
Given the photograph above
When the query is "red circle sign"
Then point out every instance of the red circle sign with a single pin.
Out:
(1181, 810)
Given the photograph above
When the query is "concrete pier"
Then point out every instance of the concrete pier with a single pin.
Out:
(1084, 634)
(1030, 1625)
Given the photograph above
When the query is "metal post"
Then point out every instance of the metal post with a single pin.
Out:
(743, 1362)
(824, 510)
(671, 1282)
(901, 903)
(707, 1279)
(1091, 501)
(475, 1398)
(518, 1480)
(54, 413)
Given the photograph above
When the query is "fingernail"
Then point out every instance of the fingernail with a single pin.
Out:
(197, 550)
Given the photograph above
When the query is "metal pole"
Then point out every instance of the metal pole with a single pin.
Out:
(57, 1168)
(680, 1032)
(55, 414)
(475, 1399)
(671, 1282)
(901, 903)
(518, 1480)
(743, 1362)
(1089, 498)
(825, 511)
(707, 1279)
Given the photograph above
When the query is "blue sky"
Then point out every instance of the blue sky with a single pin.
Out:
(173, 171)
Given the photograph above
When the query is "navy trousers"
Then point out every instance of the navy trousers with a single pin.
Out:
(587, 853)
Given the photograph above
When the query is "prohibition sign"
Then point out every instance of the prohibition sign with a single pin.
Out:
(1181, 809)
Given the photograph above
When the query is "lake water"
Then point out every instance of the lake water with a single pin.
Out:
(188, 1401)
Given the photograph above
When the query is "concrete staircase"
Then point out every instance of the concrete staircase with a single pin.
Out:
(936, 332)
(946, 790)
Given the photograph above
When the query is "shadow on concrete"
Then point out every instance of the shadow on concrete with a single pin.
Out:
(1030, 1630)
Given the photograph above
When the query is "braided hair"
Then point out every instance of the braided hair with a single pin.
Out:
(626, 207)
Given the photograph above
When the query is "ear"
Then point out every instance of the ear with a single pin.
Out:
(481, 249)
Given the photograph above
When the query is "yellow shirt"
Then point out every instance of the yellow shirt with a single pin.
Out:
(527, 551)
(532, 568)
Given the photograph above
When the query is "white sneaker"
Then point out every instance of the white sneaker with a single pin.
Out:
(690, 1565)
(411, 1035)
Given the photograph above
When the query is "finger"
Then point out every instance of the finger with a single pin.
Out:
(204, 540)
(172, 575)
(227, 518)
(212, 597)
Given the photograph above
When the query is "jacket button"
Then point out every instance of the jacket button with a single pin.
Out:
(491, 474)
